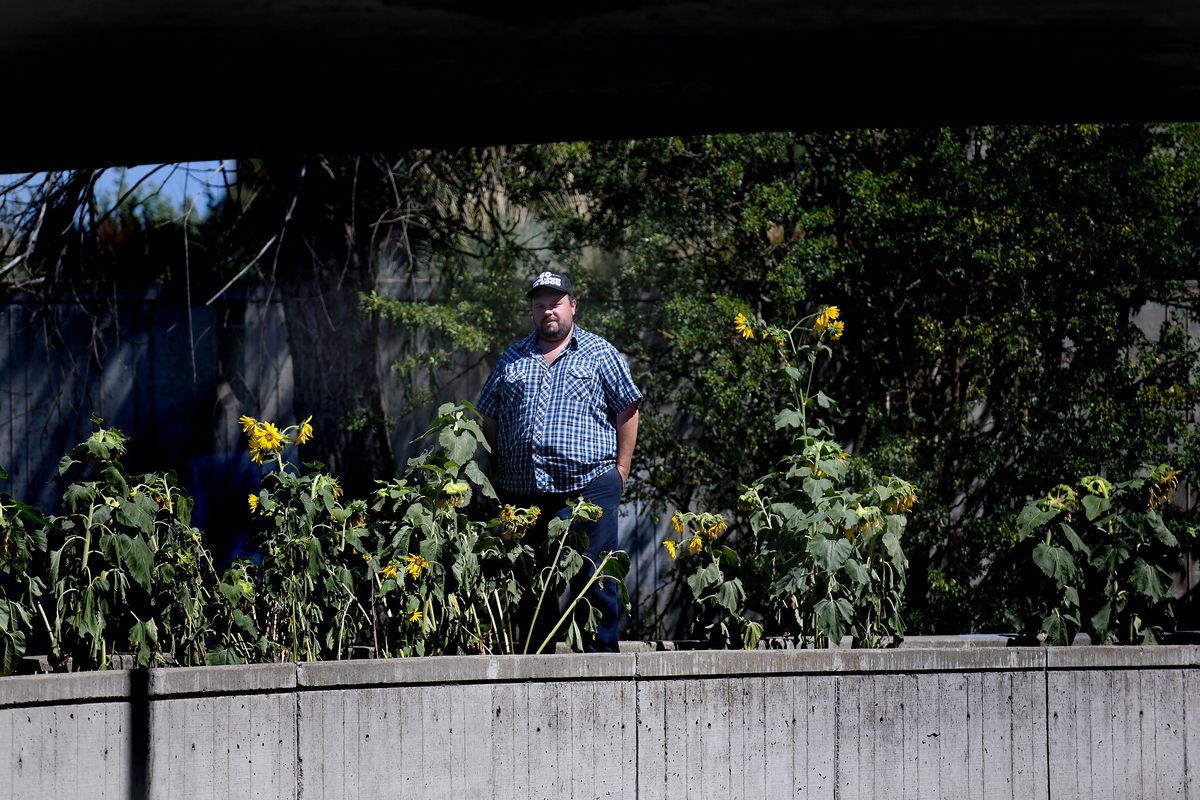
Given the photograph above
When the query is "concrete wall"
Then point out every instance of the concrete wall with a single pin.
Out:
(1080, 722)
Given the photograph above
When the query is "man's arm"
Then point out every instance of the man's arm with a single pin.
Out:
(627, 426)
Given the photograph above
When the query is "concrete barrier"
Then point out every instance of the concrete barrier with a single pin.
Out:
(983, 722)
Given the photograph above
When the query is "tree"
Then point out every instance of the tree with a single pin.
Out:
(988, 278)
(314, 224)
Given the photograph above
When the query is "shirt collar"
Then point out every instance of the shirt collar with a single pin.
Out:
(532, 346)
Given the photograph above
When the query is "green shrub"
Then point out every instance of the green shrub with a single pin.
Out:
(1106, 554)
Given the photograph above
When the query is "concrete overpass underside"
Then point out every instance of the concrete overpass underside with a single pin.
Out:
(139, 81)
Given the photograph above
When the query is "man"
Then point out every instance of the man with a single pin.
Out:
(560, 412)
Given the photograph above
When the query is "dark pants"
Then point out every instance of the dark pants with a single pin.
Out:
(604, 491)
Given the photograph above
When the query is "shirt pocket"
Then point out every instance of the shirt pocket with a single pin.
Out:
(579, 383)
(512, 387)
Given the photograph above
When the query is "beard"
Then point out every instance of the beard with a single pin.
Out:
(554, 331)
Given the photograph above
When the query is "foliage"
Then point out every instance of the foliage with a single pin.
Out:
(22, 553)
(127, 570)
(62, 230)
(994, 275)
(711, 575)
(305, 591)
(997, 277)
(823, 556)
(418, 573)
(414, 574)
(1106, 552)
(453, 584)
(825, 540)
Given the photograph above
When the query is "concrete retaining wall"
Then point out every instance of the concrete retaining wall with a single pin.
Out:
(1082, 722)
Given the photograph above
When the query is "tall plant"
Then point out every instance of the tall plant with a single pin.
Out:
(22, 556)
(127, 570)
(417, 572)
(824, 539)
(1106, 552)
(313, 552)
(453, 583)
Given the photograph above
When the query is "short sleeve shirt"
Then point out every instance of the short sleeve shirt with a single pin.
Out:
(557, 422)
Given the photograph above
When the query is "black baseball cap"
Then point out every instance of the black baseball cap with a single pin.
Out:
(551, 280)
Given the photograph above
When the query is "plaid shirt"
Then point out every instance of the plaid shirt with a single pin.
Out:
(557, 422)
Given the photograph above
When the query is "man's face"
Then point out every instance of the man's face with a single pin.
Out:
(553, 314)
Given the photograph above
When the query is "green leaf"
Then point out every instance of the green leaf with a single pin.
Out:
(343, 576)
(1055, 561)
(816, 488)
(11, 650)
(329, 503)
(1113, 555)
(143, 636)
(857, 572)
(133, 515)
(90, 618)
(98, 448)
(1147, 580)
(78, 496)
(788, 418)
(829, 620)
(183, 509)
(556, 528)
(132, 555)
(316, 556)
(1032, 518)
(1071, 596)
(891, 543)
(1160, 528)
(1056, 629)
(845, 610)
(116, 480)
(1100, 622)
(795, 580)
(245, 622)
(355, 540)
(751, 635)
(618, 565)
(231, 591)
(571, 564)
(459, 447)
(479, 479)
(1094, 506)
(1074, 539)
(419, 517)
(730, 594)
(792, 516)
(829, 554)
(700, 580)
(36, 517)
(220, 656)
(896, 523)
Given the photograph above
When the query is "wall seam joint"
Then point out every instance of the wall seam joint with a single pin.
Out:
(1046, 712)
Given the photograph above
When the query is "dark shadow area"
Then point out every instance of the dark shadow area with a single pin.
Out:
(302, 77)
